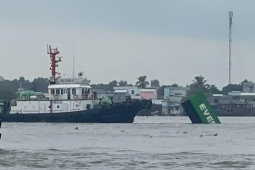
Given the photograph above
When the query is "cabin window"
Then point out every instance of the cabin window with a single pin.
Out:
(52, 91)
(68, 91)
(82, 91)
(73, 91)
(87, 91)
(61, 91)
(133, 92)
(57, 91)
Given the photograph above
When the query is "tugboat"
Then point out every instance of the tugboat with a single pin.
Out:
(69, 100)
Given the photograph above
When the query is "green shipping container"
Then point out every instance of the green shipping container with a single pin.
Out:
(199, 110)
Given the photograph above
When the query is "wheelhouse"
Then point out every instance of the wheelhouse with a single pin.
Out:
(71, 92)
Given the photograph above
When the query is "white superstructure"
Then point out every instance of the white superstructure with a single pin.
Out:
(67, 95)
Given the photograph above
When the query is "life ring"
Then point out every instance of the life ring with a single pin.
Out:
(55, 97)
(75, 97)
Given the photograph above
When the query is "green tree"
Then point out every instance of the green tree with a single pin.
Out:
(6, 95)
(142, 83)
(34, 86)
(155, 83)
(200, 82)
(214, 90)
(123, 83)
(22, 80)
(245, 81)
(112, 84)
(40, 84)
(100, 86)
(198, 85)
(234, 87)
(231, 87)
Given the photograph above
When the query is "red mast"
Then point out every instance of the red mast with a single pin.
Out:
(54, 61)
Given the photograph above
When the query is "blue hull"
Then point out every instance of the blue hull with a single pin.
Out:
(116, 113)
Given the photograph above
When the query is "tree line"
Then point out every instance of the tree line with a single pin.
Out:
(9, 89)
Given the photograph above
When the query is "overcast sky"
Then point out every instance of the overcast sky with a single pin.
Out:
(169, 40)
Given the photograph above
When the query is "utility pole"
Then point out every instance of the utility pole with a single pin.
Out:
(230, 40)
(73, 62)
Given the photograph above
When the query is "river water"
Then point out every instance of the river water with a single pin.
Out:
(148, 143)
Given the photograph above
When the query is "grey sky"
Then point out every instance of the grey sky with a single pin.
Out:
(171, 41)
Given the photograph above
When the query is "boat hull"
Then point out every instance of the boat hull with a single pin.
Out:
(116, 113)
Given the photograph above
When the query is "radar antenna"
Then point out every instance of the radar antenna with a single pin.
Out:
(54, 61)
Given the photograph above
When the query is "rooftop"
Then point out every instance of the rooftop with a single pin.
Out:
(120, 91)
(148, 90)
(124, 87)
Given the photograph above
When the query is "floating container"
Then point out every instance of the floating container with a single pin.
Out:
(199, 110)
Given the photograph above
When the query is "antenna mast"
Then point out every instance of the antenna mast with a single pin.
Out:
(73, 61)
(54, 61)
(230, 40)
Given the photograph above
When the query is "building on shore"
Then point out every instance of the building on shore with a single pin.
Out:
(132, 91)
(235, 103)
(148, 94)
(173, 96)
(232, 105)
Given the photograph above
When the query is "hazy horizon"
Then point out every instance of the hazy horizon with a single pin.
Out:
(172, 41)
